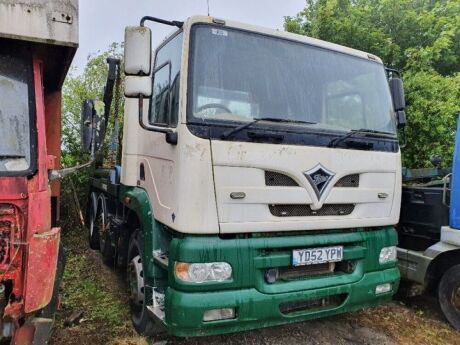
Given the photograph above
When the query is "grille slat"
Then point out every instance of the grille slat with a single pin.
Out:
(276, 179)
(348, 181)
(306, 211)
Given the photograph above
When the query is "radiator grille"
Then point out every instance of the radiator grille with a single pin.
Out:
(306, 211)
(8, 223)
(348, 181)
(276, 179)
(301, 272)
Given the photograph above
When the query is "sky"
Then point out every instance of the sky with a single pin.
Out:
(103, 21)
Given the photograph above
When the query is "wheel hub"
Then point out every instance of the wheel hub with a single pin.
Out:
(136, 280)
(456, 298)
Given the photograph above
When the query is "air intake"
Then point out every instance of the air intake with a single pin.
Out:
(306, 211)
(348, 181)
(276, 179)
(312, 304)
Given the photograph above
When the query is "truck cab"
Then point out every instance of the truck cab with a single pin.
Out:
(259, 183)
(38, 40)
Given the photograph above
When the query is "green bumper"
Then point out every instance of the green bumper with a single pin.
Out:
(254, 309)
(257, 303)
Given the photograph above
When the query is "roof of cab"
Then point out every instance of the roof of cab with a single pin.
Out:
(282, 34)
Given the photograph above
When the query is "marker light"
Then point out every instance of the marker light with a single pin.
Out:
(203, 272)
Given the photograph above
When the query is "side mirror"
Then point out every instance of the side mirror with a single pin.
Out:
(87, 120)
(91, 138)
(138, 50)
(137, 86)
(399, 100)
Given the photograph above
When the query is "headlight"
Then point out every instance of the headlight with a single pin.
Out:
(387, 254)
(203, 272)
(382, 288)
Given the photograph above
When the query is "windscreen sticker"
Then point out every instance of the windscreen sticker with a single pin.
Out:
(219, 32)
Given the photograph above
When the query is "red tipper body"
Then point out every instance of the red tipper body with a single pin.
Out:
(40, 37)
(29, 245)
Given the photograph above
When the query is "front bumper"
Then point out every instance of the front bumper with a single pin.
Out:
(256, 302)
(184, 310)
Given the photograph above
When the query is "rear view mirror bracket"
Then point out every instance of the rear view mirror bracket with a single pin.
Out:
(171, 135)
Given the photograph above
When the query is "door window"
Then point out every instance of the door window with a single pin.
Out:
(164, 106)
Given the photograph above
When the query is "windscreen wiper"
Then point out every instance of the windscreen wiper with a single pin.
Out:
(228, 133)
(12, 156)
(336, 141)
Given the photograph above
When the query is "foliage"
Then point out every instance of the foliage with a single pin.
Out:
(420, 37)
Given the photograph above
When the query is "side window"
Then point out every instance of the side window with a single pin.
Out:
(164, 106)
(159, 113)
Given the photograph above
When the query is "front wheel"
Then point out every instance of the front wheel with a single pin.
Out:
(449, 295)
(140, 297)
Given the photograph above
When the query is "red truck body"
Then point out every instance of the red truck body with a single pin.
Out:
(43, 35)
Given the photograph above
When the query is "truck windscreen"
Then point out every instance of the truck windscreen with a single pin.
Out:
(240, 76)
(15, 119)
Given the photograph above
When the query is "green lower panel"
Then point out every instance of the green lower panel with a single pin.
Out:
(184, 310)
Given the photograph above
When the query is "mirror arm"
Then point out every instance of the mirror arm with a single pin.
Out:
(403, 144)
(141, 119)
(162, 21)
(390, 70)
(171, 135)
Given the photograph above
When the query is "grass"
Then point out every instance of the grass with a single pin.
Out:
(83, 290)
(91, 287)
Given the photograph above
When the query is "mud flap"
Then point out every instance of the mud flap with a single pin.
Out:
(41, 269)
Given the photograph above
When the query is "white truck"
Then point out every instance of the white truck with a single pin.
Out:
(259, 181)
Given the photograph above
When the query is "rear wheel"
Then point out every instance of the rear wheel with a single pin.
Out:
(140, 297)
(93, 230)
(103, 227)
(449, 295)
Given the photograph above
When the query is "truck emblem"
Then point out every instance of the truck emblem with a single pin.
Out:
(319, 177)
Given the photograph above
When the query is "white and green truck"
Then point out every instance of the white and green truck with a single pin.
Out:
(259, 179)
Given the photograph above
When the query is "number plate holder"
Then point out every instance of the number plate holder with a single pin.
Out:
(313, 256)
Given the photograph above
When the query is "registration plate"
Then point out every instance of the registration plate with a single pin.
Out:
(312, 256)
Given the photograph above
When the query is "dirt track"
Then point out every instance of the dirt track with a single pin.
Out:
(99, 292)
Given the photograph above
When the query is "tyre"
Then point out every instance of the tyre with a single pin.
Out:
(93, 230)
(449, 295)
(139, 296)
(103, 227)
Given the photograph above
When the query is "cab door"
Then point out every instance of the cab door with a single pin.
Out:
(158, 155)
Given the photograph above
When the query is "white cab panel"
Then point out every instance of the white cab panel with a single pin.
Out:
(178, 178)
(240, 167)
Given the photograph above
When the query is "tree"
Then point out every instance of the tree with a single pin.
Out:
(420, 37)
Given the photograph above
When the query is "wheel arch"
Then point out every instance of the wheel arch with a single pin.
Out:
(439, 265)
(137, 201)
